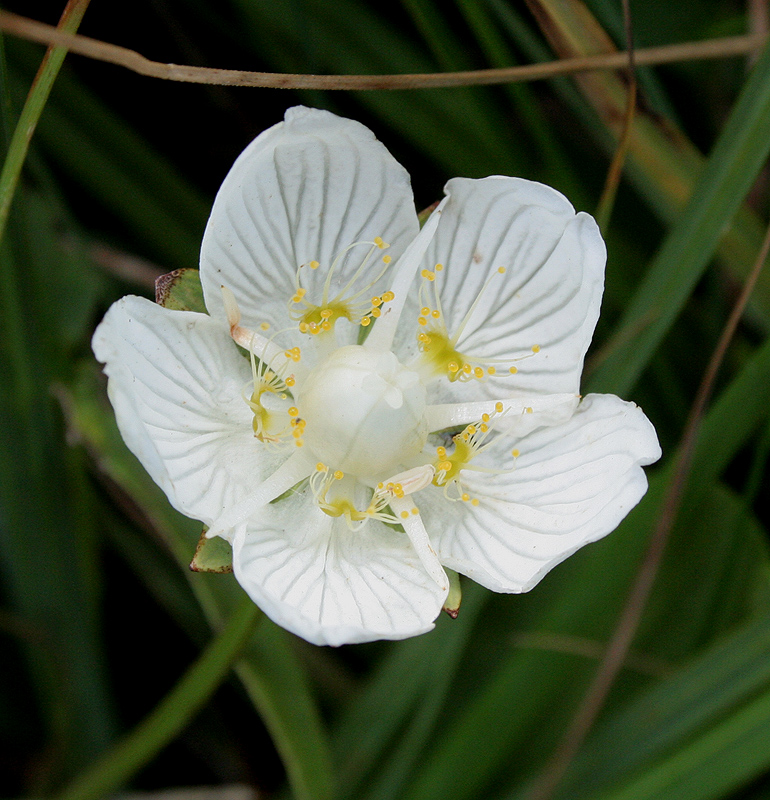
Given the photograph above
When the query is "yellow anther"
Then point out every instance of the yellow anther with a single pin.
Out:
(297, 432)
(296, 298)
(326, 325)
(453, 366)
(380, 485)
(293, 411)
(320, 466)
(478, 372)
(314, 328)
(298, 442)
(415, 510)
(491, 370)
(470, 430)
(386, 259)
(499, 407)
(529, 410)
(376, 301)
(312, 265)
(423, 337)
(444, 466)
(404, 514)
(485, 417)
(264, 326)
(441, 452)
(365, 322)
(483, 427)
(501, 270)
(428, 275)
(290, 381)
(535, 348)
(475, 501)
(425, 311)
(382, 245)
(513, 370)
(326, 313)
(387, 297)
(515, 453)
(465, 496)
(338, 474)
(435, 313)
(439, 267)
(303, 327)
(422, 321)
(467, 369)
(376, 312)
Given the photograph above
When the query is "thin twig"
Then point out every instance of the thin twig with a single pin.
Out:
(625, 630)
(759, 24)
(607, 200)
(130, 59)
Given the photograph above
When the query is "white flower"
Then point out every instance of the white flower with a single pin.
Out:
(451, 436)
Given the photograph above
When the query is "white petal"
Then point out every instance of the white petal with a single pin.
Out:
(572, 484)
(331, 585)
(549, 295)
(175, 380)
(302, 191)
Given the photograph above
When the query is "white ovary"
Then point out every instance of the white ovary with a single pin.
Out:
(364, 412)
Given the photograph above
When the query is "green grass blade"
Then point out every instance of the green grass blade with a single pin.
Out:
(732, 167)
(269, 670)
(172, 714)
(33, 108)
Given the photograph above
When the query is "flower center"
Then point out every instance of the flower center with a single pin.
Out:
(363, 412)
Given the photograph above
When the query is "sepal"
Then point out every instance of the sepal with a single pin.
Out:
(180, 290)
(212, 555)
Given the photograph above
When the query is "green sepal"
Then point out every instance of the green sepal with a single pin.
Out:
(422, 217)
(212, 555)
(180, 290)
(455, 596)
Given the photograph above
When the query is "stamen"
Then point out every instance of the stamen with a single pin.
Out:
(471, 441)
(440, 349)
(320, 318)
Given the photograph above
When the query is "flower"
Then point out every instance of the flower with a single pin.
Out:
(368, 403)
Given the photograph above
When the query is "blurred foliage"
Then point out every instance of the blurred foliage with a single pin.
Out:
(100, 615)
